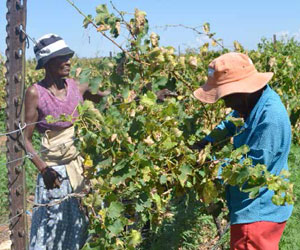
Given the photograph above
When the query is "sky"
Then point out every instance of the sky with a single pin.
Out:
(244, 21)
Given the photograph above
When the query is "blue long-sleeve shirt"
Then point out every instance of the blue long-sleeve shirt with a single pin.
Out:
(267, 132)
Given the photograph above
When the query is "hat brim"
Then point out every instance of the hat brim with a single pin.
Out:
(62, 52)
(209, 93)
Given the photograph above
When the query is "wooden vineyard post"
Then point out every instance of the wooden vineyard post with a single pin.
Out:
(15, 64)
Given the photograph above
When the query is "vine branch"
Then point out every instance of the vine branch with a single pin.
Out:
(102, 32)
(123, 19)
(179, 78)
(210, 35)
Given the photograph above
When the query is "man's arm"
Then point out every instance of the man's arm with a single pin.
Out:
(223, 130)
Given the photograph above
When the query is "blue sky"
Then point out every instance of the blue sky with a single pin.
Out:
(245, 21)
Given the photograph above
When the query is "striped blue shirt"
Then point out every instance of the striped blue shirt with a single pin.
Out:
(267, 132)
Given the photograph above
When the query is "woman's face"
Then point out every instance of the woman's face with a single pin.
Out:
(59, 66)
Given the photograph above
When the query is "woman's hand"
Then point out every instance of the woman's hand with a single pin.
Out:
(162, 94)
(51, 178)
(104, 93)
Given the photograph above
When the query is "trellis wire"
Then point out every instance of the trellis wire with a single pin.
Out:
(37, 153)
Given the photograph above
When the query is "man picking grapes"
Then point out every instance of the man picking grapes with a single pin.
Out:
(255, 223)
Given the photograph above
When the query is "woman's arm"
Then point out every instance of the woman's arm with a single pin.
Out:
(50, 176)
(31, 116)
(85, 91)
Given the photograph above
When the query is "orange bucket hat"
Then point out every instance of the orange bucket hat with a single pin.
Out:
(231, 73)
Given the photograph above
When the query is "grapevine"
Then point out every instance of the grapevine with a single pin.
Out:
(137, 147)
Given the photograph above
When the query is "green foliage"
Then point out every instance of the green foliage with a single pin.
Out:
(138, 148)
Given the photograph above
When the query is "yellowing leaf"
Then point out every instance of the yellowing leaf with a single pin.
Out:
(129, 139)
(237, 46)
(272, 62)
(131, 96)
(139, 19)
(113, 137)
(157, 135)
(206, 27)
(160, 58)
(201, 157)
(88, 162)
(204, 48)
(146, 174)
(181, 61)
(103, 27)
(78, 71)
(154, 38)
(177, 132)
(119, 243)
(193, 61)
(289, 62)
(149, 140)
(149, 99)
(135, 238)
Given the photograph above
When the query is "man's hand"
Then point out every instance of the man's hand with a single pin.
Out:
(200, 145)
(51, 178)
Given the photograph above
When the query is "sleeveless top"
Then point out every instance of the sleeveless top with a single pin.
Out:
(48, 104)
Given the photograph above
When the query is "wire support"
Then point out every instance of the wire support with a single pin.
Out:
(58, 201)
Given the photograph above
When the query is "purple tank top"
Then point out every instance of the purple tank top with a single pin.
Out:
(48, 104)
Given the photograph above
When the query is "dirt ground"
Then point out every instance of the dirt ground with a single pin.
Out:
(5, 241)
(4, 238)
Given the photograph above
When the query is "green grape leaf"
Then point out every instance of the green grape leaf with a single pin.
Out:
(237, 121)
(102, 8)
(157, 200)
(242, 176)
(209, 192)
(206, 27)
(102, 14)
(163, 179)
(168, 144)
(149, 99)
(161, 81)
(185, 172)
(94, 84)
(285, 173)
(278, 199)
(115, 209)
(218, 135)
(239, 152)
(87, 20)
(84, 75)
(116, 228)
(254, 193)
